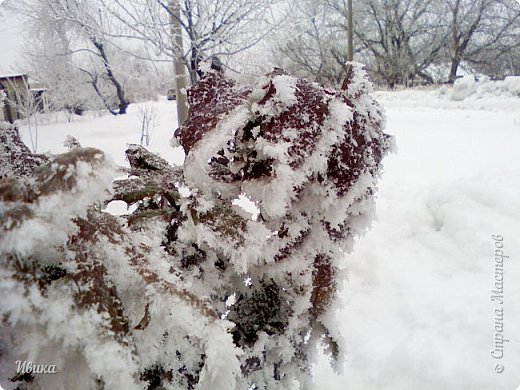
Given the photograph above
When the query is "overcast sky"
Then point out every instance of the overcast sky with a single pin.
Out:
(10, 41)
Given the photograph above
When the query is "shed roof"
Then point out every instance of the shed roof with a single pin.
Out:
(12, 76)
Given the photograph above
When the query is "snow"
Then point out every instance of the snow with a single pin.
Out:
(487, 96)
(512, 84)
(222, 365)
(416, 309)
(468, 86)
(463, 87)
(110, 133)
(91, 174)
(285, 86)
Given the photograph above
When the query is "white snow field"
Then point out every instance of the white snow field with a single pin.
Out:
(416, 304)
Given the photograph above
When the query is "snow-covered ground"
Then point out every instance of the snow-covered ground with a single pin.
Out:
(108, 132)
(417, 310)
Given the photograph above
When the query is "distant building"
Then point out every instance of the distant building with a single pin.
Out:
(16, 88)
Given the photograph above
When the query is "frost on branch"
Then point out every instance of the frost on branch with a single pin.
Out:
(15, 157)
(189, 291)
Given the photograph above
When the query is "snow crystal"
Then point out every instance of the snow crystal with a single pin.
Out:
(90, 183)
(285, 86)
(247, 205)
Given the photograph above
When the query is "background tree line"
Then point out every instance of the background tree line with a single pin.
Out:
(404, 42)
(104, 54)
(108, 53)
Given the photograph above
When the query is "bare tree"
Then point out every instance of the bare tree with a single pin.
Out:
(480, 27)
(27, 106)
(83, 33)
(148, 115)
(210, 28)
(397, 39)
(499, 64)
(49, 60)
(402, 38)
(313, 42)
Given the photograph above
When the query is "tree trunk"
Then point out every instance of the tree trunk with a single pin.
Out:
(453, 70)
(93, 82)
(350, 32)
(194, 65)
(178, 66)
(123, 103)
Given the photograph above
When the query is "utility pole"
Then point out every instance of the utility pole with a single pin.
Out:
(350, 54)
(350, 48)
(178, 68)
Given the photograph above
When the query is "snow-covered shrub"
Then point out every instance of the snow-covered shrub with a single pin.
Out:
(16, 158)
(463, 87)
(512, 85)
(190, 291)
(71, 142)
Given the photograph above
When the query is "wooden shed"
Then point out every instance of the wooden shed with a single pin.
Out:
(16, 89)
